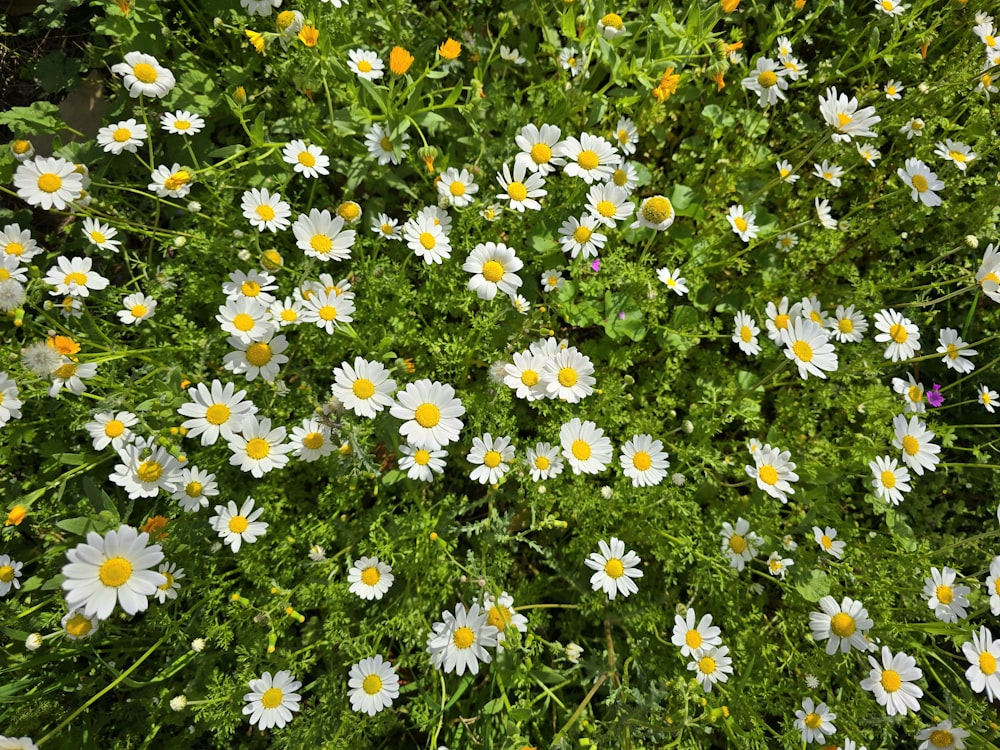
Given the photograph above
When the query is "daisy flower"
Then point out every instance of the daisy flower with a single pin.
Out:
(457, 187)
(814, 722)
(126, 135)
(914, 439)
(609, 204)
(890, 480)
(568, 375)
(215, 411)
(259, 449)
(571, 60)
(615, 568)
(988, 398)
(773, 471)
(145, 471)
(182, 122)
(869, 153)
(77, 626)
(308, 161)
(673, 279)
(513, 56)
(942, 736)
(544, 461)
(778, 565)
(524, 375)
(793, 68)
(585, 446)
(591, 157)
(847, 325)
(520, 189)
(823, 214)
(255, 285)
(9, 402)
(48, 182)
(829, 172)
(922, 181)
(194, 487)
(311, 440)
(552, 280)
(322, 235)
(893, 90)
(365, 388)
(742, 222)
(136, 308)
(983, 654)
(458, 643)
(365, 64)
(824, 538)
(739, 544)
(17, 243)
(370, 578)
(74, 277)
(786, 172)
(538, 147)
(328, 310)
(946, 599)
(109, 570)
(420, 463)
(890, 7)
(266, 210)
(109, 428)
(142, 75)
(237, 525)
(767, 81)
(385, 226)
(689, 637)
(841, 626)
(70, 375)
(491, 457)
(842, 114)
(644, 461)
(10, 573)
(501, 615)
(261, 359)
(427, 239)
(168, 589)
(580, 236)
(261, 8)
(382, 148)
(711, 665)
(373, 685)
(171, 182)
(892, 682)
(903, 336)
(100, 234)
(809, 347)
(993, 585)
(431, 414)
(955, 351)
(272, 700)
(786, 241)
(914, 128)
(745, 334)
(494, 268)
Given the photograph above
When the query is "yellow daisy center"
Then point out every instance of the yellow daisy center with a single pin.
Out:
(193, 489)
(541, 153)
(272, 698)
(16, 248)
(897, 332)
(321, 243)
(542, 463)
(781, 322)
(238, 524)
(139, 311)
(813, 720)
(258, 354)
(529, 378)
(767, 79)
(740, 223)
(746, 335)
(492, 271)
(642, 461)
(348, 211)
(614, 568)
(149, 471)
(987, 663)
(6, 573)
(20, 147)
(115, 571)
(66, 371)
(372, 684)
(364, 66)
(169, 582)
(328, 312)
(845, 325)
(306, 159)
(944, 594)
(265, 212)
(517, 191)
(737, 544)
(588, 159)
(826, 542)
(78, 625)
(498, 617)
(620, 177)
(121, 135)
(182, 124)
(911, 445)
(363, 388)
(427, 240)
(289, 316)
(919, 183)
(843, 119)
(144, 72)
(953, 351)
(258, 448)
(768, 474)
(942, 738)
(177, 180)
(693, 638)
(243, 322)
(607, 209)
(313, 441)
(657, 210)
(888, 479)
(567, 377)
(98, 237)
(370, 575)
(427, 415)
(386, 144)
(113, 428)
(802, 350)
(421, 457)
(80, 279)
(580, 450)
(614, 21)
(890, 680)
(457, 188)
(582, 234)
(492, 459)
(217, 414)
(464, 638)
(706, 665)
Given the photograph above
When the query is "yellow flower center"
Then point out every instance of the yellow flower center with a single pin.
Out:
(265, 212)
(492, 459)
(177, 180)
(492, 271)
(498, 617)
(144, 72)
(706, 665)
(890, 680)
(582, 234)
(6, 574)
(113, 428)
(613, 20)
(427, 415)
(20, 147)
(364, 66)
(942, 738)
(313, 441)
(272, 698)
(464, 638)
(911, 445)
(897, 332)
(328, 312)
(657, 210)
(919, 183)
(888, 479)
(588, 159)
(746, 335)
(182, 124)
(457, 188)
(243, 322)
(693, 638)
(386, 144)
(121, 135)
(258, 354)
(14, 248)
(98, 238)
(987, 663)
(567, 377)
(372, 684)
(321, 243)
(166, 585)
(614, 568)
(427, 240)
(285, 19)
(193, 489)
(78, 625)
(781, 322)
(607, 209)
(517, 191)
(370, 575)
(944, 594)
(421, 457)
(843, 119)
(620, 177)
(642, 460)
(80, 279)
(953, 352)
(139, 311)
(258, 448)
(115, 571)
(737, 544)
(238, 524)
(802, 350)
(826, 542)
(65, 372)
(149, 471)
(541, 153)
(363, 388)
(217, 414)
(542, 463)
(306, 159)
(289, 316)
(767, 78)
(813, 720)
(580, 450)
(768, 474)
(888, 4)
(529, 378)
(740, 223)
(348, 211)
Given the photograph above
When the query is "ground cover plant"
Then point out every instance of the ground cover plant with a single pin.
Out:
(555, 375)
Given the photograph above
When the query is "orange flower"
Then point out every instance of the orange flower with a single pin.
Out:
(256, 40)
(450, 49)
(124, 6)
(728, 6)
(731, 48)
(309, 35)
(400, 61)
(667, 85)
(799, 4)
(923, 49)
(16, 515)
(155, 527)
(64, 345)
(720, 80)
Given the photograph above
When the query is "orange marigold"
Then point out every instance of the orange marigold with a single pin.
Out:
(450, 49)
(309, 35)
(400, 61)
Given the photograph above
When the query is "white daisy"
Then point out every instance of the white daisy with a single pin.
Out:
(955, 351)
(142, 75)
(988, 398)
(457, 187)
(538, 147)
(609, 204)
(591, 157)
(494, 268)
(847, 325)
(745, 334)
(544, 461)
(373, 685)
(308, 161)
(100, 234)
(823, 214)
(711, 665)
(262, 358)
(168, 589)
(194, 487)
(983, 654)
(109, 570)
(914, 128)
(145, 471)
(922, 181)
(742, 222)
(902, 335)
(890, 480)
(322, 235)
(551, 280)
(948, 601)
(427, 239)
(786, 172)
(739, 544)
(521, 189)
(272, 700)
(842, 114)
(365, 388)
(311, 440)
(570, 59)
(892, 682)
(673, 279)
(841, 625)
(825, 539)
(365, 64)
(869, 153)
(829, 172)
(585, 446)
(458, 643)
(774, 472)
(580, 236)
(778, 565)
(137, 308)
(890, 7)
(431, 414)
(259, 449)
(786, 241)
(689, 637)
(17, 243)
(501, 615)
(77, 626)
(182, 122)
(74, 277)
(328, 310)
(215, 411)
(809, 347)
(767, 80)
(655, 212)
(491, 457)
(245, 318)
(942, 736)
(70, 375)
(568, 376)
(171, 182)
(386, 227)
(815, 722)
(107, 428)
(237, 525)
(914, 439)
(127, 135)
(644, 461)
(421, 464)
(382, 148)
(370, 578)
(616, 569)
(266, 210)
(10, 574)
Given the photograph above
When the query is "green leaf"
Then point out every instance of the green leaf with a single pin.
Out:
(816, 587)
(57, 72)
(686, 202)
(40, 117)
(76, 526)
